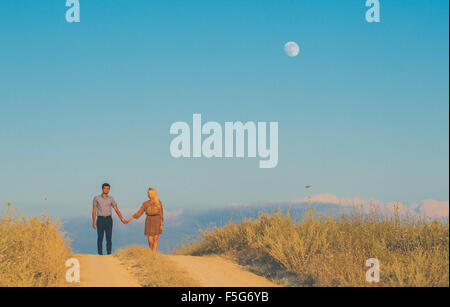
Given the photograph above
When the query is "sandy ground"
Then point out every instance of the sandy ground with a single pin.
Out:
(215, 271)
(104, 271)
(209, 271)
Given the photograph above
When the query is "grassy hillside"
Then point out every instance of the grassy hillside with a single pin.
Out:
(314, 250)
(32, 251)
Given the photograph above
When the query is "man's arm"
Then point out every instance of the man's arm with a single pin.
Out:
(118, 213)
(94, 214)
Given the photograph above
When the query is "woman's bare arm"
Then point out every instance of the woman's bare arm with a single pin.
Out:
(162, 217)
(138, 214)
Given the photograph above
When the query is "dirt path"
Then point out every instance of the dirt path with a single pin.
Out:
(210, 271)
(215, 271)
(104, 271)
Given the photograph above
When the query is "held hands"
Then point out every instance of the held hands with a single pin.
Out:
(127, 221)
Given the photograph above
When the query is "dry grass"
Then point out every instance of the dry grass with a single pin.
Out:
(154, 269)
(315, 250)
(32, 251)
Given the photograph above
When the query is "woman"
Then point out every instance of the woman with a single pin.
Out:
(155, 218)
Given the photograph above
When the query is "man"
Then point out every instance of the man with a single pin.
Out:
(102, 209)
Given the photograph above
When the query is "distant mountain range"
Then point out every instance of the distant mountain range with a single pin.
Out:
(183, 224)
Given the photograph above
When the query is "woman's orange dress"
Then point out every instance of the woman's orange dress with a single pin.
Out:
(153, 222)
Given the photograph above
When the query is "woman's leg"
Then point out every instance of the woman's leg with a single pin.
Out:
(155, 242)
(150, 242)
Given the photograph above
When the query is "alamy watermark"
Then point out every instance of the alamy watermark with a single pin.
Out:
(225, 143)
(73, 13)
(73, 273)
(373, 13)
(373, 274)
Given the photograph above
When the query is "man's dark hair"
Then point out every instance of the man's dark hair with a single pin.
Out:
(105, 185)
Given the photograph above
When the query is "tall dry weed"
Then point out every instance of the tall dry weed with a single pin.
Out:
(33, 251)
(315, 250)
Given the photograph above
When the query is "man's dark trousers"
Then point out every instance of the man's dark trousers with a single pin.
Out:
(104, 225)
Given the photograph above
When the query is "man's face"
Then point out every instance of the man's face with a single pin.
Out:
(106, 190)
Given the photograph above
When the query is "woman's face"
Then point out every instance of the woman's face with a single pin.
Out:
(149, 193)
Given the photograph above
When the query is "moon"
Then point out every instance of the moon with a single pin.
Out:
(291, 49)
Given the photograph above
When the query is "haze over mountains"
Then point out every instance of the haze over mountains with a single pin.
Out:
(184, 224)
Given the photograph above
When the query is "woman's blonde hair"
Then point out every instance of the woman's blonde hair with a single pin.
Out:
(153, 195)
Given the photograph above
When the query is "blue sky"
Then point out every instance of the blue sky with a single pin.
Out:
(362, 111)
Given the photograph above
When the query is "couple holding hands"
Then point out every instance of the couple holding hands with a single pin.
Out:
(102, 218)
